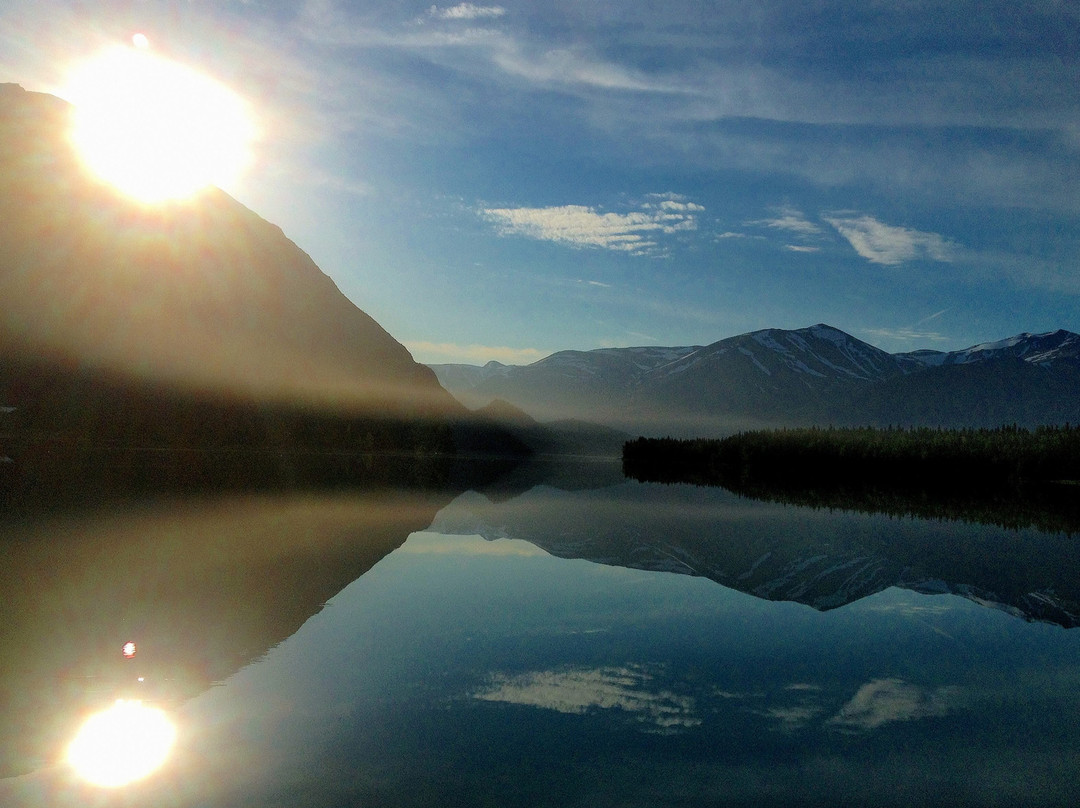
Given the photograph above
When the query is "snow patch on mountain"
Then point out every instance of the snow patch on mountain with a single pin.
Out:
(754, 359)
(1035, 348)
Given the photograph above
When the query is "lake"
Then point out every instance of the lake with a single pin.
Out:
(561, 636)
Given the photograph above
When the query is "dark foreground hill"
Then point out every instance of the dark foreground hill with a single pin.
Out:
(775, 377)
(189, 323)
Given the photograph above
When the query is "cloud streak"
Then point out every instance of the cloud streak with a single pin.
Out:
(635, 232)
(790, 220)
(467, 11)
(880, 243)
(905, 334)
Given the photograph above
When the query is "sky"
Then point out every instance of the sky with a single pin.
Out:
(502, 181)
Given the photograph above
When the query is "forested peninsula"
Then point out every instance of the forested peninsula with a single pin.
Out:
(1008, 476)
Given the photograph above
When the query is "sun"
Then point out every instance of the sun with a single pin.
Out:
(156, 129)
(125, 743)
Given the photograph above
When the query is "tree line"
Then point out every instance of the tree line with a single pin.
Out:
(1007, 455)
(1008, 476)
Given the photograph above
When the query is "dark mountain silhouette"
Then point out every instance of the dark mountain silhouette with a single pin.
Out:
(192, 322)
(774, 377)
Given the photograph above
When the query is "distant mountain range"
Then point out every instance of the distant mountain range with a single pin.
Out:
(776, 377)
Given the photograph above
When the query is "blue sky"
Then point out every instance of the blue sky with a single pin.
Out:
(501, 181)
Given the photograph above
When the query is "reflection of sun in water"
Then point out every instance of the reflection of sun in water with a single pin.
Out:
(154, 128)
(125, 743)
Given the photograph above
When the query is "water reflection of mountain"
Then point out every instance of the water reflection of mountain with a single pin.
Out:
(204, 586)
(821, 558)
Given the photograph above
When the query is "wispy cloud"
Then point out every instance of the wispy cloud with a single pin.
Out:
(790, 220)
(441, 352)
(467, 11)
(803, 248)
(580, 226)
(580, 690)
(881, 243)
(930, 317)
(906, 334)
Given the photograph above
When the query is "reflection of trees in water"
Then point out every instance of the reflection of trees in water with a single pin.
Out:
(822, 559)
(1009, 477)
(1052, 508)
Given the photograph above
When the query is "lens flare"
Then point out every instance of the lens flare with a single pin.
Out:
(125, 743)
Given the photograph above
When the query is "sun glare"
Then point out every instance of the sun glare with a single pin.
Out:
(125, 743)
(154, 128)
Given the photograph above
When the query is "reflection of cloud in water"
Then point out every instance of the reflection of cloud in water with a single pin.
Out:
(579, 690)
(805, 706)
(793, 717)
(910, 609)
(886, 700)
(439, 544)
(728, 694)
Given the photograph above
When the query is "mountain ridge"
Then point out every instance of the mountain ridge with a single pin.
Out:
(186, 323)
(779, 377)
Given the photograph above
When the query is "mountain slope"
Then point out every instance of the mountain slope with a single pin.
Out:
(1038, 349)
(583, 385)
(768, 376)
(777, 377)
(197, 298)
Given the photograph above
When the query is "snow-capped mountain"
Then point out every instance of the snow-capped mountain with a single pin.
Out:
(583, 385)
(1039, 349)
(817, 352)
(776, 377)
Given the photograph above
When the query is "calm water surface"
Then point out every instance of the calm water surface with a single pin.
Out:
(627, 644)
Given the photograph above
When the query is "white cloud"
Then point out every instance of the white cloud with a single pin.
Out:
(802, 248)
(443, 352)
(573, 67)
(467, 11)
(881, 243)
(671, 204)
(907, 334)
(581, 226)
(577, 691)
(883, 701)
(791, 220)
(732, 234)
